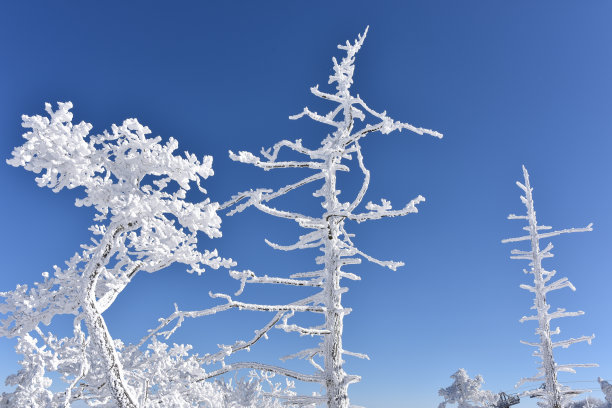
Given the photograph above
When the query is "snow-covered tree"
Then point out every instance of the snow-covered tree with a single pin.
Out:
(466, 392)
(553, 394)
(327, 232)
(137, 186)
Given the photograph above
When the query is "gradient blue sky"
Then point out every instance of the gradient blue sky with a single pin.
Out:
(508, 83)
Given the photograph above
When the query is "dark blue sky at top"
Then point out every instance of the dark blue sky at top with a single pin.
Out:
(508, 83)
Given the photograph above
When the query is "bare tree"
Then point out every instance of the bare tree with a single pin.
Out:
(326, 232)
(554, 394)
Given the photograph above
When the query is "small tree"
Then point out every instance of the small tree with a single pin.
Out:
(137, 187)
(466, 392)
(553, 393)
(326, 232)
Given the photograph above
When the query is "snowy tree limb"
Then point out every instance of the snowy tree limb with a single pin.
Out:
(241, 345)
(263, 367)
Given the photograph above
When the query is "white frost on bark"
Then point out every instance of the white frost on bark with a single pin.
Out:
(553, 394)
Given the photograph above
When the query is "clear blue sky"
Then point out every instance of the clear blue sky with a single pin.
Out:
(508, 83)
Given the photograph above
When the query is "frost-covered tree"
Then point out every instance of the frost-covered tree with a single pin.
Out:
(466, 392)
(327, 232)
(137, 187)
(553, 394)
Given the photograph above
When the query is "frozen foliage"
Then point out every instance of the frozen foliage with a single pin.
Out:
(553, 394)
(589, 402)
(161, 376)
(327, 232)
(466, 392)
(137, 186)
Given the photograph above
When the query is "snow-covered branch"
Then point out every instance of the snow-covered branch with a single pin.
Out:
(242, 345)
(264, 367)
(569, 342)
(381, 211)
(249, 277)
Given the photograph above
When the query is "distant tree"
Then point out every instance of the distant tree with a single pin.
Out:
(137, 187)
(326, 232)
(606, 388)
(466, 392)
(553, 394)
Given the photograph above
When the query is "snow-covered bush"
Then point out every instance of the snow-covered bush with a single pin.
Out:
(466, 392)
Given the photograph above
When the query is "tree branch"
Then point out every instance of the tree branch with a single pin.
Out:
(263, 367)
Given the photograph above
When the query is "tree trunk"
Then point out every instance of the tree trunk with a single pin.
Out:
(99, 333)
(335, 377)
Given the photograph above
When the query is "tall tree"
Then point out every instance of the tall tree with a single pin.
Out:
(137, 187)
(326, 232)
(553, 394)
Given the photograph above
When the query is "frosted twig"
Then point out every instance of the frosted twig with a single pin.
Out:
(366, 179)
(303, 331)
(180, 317)
(249, 158)
(358, 355)
(295, 146)
(315, 116)
(379, 212)
(250, 277)
(241, 345)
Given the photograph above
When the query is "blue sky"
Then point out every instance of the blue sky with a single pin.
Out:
(508, 83)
